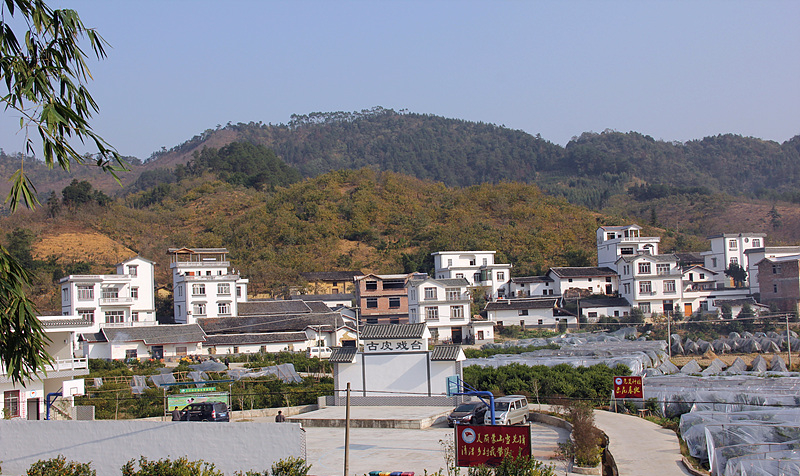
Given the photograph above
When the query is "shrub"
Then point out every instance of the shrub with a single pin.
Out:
(59, 466)
(165, 467)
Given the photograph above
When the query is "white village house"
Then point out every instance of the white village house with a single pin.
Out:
(477, 267)
(443, 304)
(542, 312)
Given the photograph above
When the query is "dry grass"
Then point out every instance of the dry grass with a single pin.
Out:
(76, 246)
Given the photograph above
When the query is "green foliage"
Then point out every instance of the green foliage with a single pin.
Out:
(636, 316)
(290, 467)
(80, 193)
(246, 164)
(593, 383)
(165, 467)
(479, 353)
(523, 466)
(737, 273)
(516, 332)
(59, 466)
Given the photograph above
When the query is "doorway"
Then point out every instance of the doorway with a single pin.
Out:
(33, 409)
(158, 351)
(456, 335)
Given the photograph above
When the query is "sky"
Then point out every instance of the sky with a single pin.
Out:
(674, 70)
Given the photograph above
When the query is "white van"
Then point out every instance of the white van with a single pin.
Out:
(509, 410)
(320, 352)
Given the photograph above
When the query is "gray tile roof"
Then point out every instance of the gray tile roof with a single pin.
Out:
(583, 272)
(318, 306)
(601, 302)
(330, 275)
(263, 308)
(66, 322)
(151, 335)
(343, 355)
(241, 339)
(322, 297)
(532, 279)
(446, 352)
(453, 282)
(327, 321)
(516, 304)
(393, 331)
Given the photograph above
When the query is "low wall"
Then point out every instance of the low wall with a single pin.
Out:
(108, 445)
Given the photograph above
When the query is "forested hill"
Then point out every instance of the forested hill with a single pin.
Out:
(460, 153)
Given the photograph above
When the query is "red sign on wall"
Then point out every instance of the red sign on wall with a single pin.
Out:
(628, 387)
(489, 444)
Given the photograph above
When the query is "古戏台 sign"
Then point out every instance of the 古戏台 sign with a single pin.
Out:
(393, 346)
(488, 444)
(628, 387)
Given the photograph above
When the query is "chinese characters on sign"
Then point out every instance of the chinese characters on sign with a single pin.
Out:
(393, 346)
(488, 445)
(628, 387)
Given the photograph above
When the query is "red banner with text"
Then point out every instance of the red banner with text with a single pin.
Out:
(628, 387)
(489, 444)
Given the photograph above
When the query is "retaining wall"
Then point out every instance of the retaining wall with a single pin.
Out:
(108, 445)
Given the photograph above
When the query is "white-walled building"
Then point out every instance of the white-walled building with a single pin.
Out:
(651, 282)
(26, 400)
(530, 312)
(573, 282)
(477, 267)
(531, 286)
(123, 299)
(395, 362)
(614, 242)
(443, 304)
(203, 285)
(144, 342)
(595, 308)
(731, 248)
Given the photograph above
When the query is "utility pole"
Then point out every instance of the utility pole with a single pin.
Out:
(788, 342)
(669, 336)
(347, 433)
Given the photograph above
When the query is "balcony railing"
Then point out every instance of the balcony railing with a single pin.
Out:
(128, 324)
(58, 365)
(116, 300)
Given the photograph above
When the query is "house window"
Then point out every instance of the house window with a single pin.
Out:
(199, 309)
(394, 320)
(669, 286)
(540, 322)
(180, 350)
(476, 278)
(224, 308)
(11, 403)
(85, 293)
(430, 293)
(133, 270)
(713, 262)
(616, 313)
(394, 302)
(238, 291)
(485, 261)
(86, 314)
(131, 354)
(645, 287)
(412, 315)
(626, 251)
(702, 275)
(756, 242)
(371, 285)
(432, 313)
(774, 288)
(236, 349)
(662, 268)
(626, 288)
(208, 273)
(644, 307)
(64, 295)
(372, 320)
(501, 276)
(179, 290)
(592, 315)
(198, 289)
(734, 260)
(479, 335)
(372, 303)
(472, 262)
(110, 293)
(453, 294)
(644, 268)
(449, 263)
(135, 293)
(459, 275)
(776, 269)
(115, 317)
(522, 312)
(456, 312)
(224, 289)
(732, 245)
(544, 292)
(134, 316)
(435, 334)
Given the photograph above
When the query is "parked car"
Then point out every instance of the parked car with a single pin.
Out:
(471, 413)
(205, 411)
(321, 352)
(509, 410)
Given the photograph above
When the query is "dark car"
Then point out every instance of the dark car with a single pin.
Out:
(205, 411)
(471, 413)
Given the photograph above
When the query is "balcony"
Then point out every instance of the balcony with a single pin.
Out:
(78, 366)
(116, 300)
(200, 264)
(129, 324)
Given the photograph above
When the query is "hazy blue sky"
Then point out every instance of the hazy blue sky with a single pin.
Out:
(675, 70)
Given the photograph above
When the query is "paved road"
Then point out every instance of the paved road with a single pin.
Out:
(640, 447)
(400, 450)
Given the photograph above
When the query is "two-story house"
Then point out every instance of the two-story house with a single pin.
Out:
(728, 249)
(382, 298)
(443, 304)
(531, 286)
(540, 312)
(203, 284)
(780, 282)
(477, 267)
(614, 242)
(125, 298)
(64, 375)
(754, 255)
